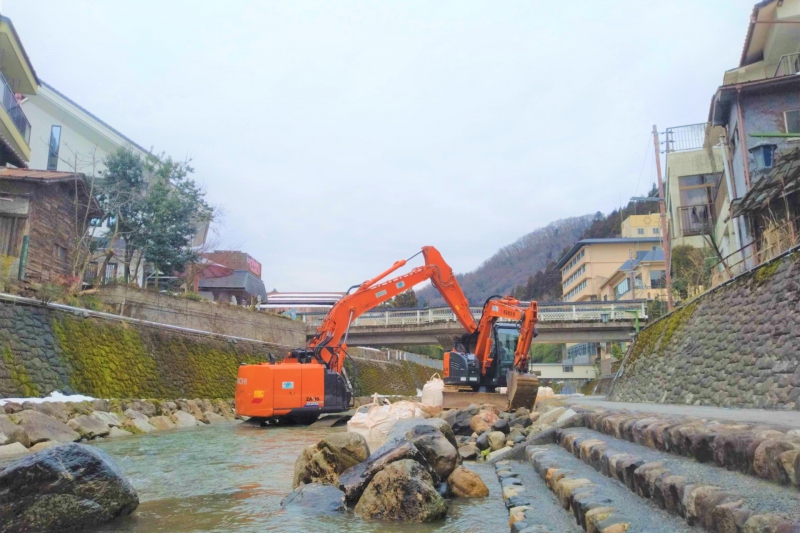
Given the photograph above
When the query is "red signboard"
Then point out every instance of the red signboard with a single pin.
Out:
(254, 266)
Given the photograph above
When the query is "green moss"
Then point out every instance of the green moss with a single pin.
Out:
(19, 375)
(401, 378)
(657, 338)
(766, 272)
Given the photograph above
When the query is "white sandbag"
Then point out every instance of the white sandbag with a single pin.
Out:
(432, 391)
(373, 425)
(405, 409)
(544, 393)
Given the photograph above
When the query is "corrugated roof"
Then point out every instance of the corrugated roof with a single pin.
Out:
(241, 279)
(580, 244)
(26, 174)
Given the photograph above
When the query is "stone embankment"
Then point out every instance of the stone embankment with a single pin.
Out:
(31, 427)
(735, 346)
(613, 471)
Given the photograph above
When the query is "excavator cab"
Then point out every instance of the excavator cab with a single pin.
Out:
(462, 367)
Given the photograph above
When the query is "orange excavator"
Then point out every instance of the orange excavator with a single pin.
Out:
(312, 381)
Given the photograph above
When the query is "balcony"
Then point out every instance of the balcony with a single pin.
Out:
(14, 110)
(696, 219)
(788, 65)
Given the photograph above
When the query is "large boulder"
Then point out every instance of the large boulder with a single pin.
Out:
(57, 410)
(354, 480)
(465, 483)
(89, 427)
(317, 498)
(13, 449)
(210, 417)
(40, 427)
(66, 487)
(324, 461)
(403, 491)
(137, 422)
(182, 419)
(441, 454)
(162, 422)
(11, 433)
(398, 432)
(110, 419)
(497, 440)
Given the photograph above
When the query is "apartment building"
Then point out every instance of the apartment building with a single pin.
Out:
(17, 81)
(587, 266)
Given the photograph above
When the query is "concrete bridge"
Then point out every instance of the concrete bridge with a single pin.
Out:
(558, 323)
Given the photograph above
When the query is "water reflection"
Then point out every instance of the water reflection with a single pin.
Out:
(232, 478)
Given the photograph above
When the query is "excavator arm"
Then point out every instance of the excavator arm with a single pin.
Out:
(329, 346)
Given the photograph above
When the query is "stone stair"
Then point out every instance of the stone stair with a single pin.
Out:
(654, 474)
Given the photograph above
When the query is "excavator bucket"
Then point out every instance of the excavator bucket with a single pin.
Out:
(460, 400)
(522, 390)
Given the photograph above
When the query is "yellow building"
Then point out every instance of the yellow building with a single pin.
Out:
(17, 79)
(642, 277)
(637, 226)
(591, 262)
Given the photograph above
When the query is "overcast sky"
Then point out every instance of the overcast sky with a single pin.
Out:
(341, 136)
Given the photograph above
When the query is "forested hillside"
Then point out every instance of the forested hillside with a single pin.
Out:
(526, 268)
(513, 264)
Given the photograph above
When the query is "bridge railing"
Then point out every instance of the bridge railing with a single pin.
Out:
(593, 312)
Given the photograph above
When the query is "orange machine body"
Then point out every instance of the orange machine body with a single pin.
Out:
(280, 390)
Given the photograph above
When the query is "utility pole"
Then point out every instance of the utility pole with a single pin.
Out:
(662, 207)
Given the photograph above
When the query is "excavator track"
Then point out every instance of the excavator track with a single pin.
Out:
(522, 390)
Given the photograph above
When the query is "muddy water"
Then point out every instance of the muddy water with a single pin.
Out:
(232, 479)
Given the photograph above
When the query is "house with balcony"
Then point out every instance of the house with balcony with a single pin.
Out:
(643, 277)
(17, 81)
(758, 105)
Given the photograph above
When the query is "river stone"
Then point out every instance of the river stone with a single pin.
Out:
(501, 425)
(117, 432)
(41, 427)
(354, 480)
(183, 419)
(12, 407)
(110, 419)
(67, 487)
(465, 483)
(440, 453)
(459, 419)
(551, 416)
(137, 425)
(89, 427)
(403, 491)
(57, 410)
(482, 422)
(326, 460)
(133, 414)
(468, 452)
(100, 405)
(10, 432)
(210, 417)
(10, 450)
(317, 498)
(497, 440)
(398, 432)
(482, 442)
(39, 446)
(162, 422)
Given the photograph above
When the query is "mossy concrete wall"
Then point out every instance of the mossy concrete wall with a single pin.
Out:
(401, 378)
(45, 349)
(736, 346)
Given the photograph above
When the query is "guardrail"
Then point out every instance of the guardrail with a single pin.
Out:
(400, 355)
(594, 312)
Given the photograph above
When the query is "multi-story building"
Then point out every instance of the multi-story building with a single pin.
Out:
(591, 262)
(639, 278)
(638, 226)
(758, 105)
(17, 81)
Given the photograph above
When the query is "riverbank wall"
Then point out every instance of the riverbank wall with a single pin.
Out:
(737, 345)
(44, 348)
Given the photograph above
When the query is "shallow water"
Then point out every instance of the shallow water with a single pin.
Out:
(232, 478)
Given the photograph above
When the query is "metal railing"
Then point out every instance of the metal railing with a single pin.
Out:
(696, 219)
(689, 137)
(14, 110)
(773, 243)
(788, 65)
(400, 355)
(593, 312)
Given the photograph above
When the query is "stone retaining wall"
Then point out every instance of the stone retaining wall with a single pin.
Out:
(736, 346)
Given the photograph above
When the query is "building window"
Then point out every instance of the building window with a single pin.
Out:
(622, 288)
(792, 119)
(640, 231)
(656, 231)
(658, 279)
(111, 272)
(111, 222)
(697, 190)
(568, 368)
(96, 222)
(55, 143)
(60, 253)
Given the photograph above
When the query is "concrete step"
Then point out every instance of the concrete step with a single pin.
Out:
(765, 451)
(597, 504)
(701, 493)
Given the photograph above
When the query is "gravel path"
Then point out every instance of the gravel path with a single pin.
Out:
(643, 515)
(761, 416)
(759, 495)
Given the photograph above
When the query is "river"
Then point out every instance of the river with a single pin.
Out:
(231, 478)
